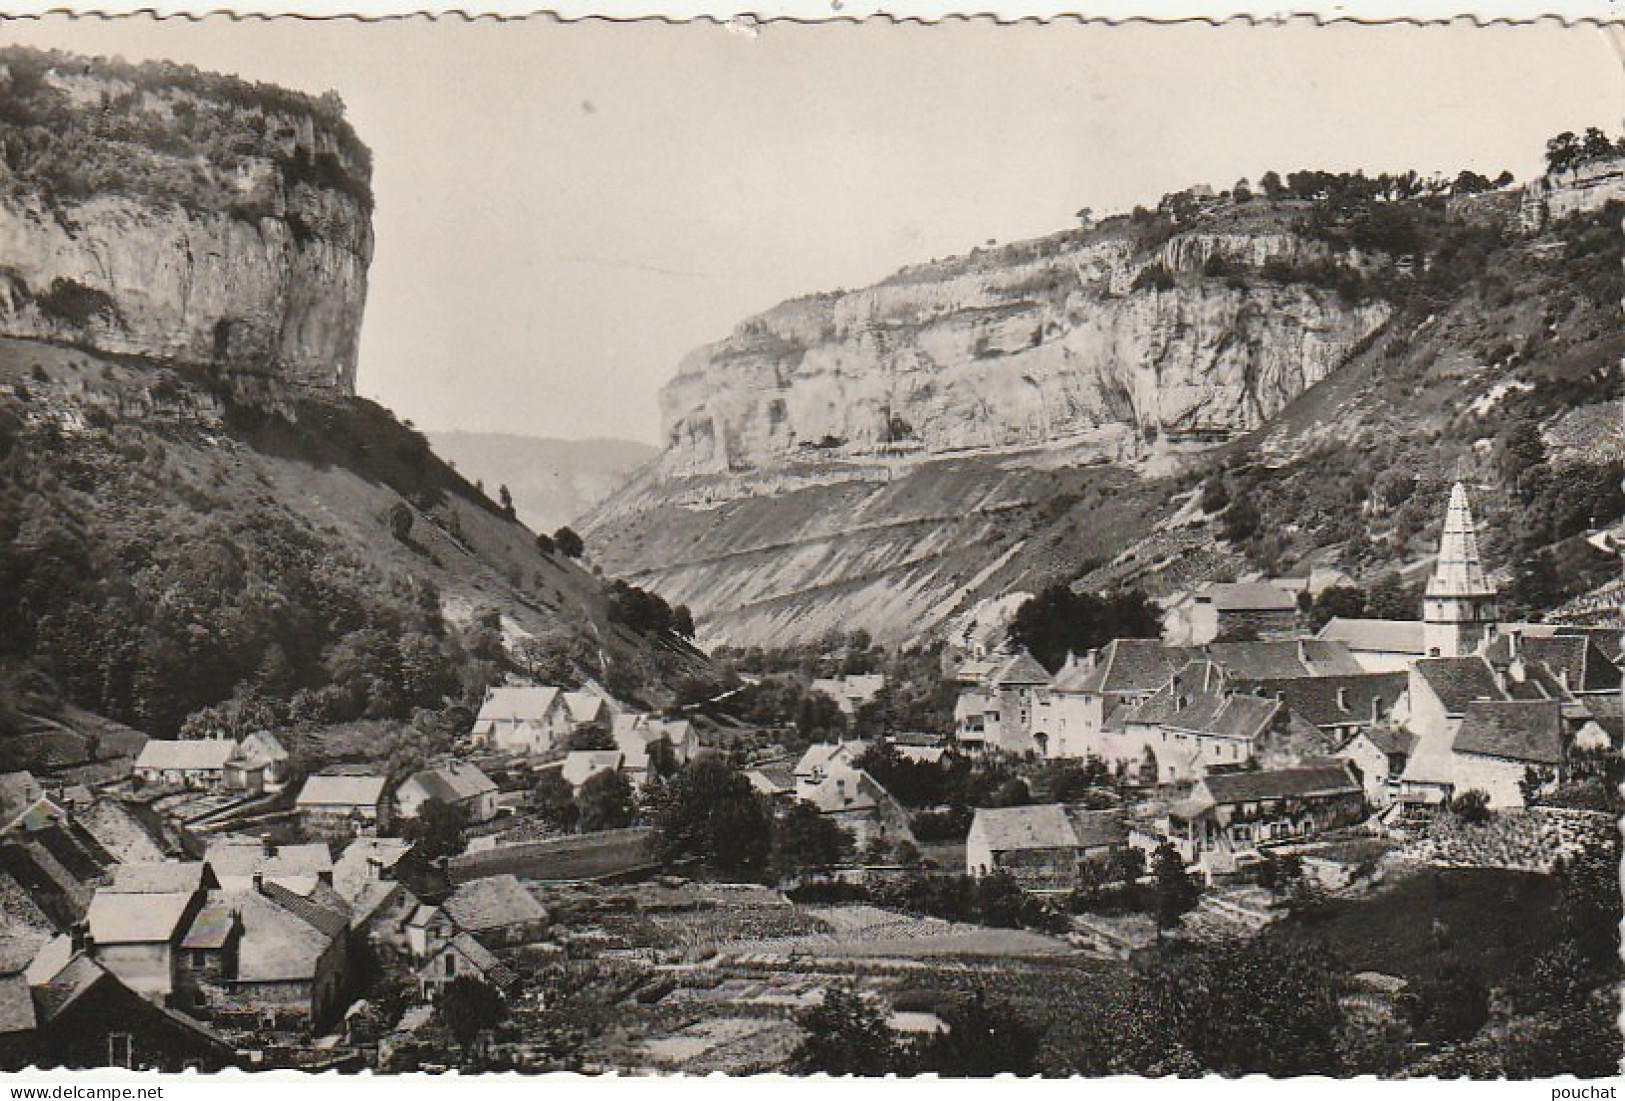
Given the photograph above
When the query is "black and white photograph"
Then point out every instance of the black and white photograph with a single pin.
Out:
(869, 548)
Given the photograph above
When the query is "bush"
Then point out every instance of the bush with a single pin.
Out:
(1472, 807)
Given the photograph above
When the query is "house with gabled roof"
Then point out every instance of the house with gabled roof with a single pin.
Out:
(497, 911)
(137, 934)
(235, 861)
(258, 765)
(1199, 722)
(583, 707)
(1379, 645)
(344, 805)
(1228, 816)
(87, 1018)
(523, 718)
(1218, 610)
(463, 957)
(1378, 753)
(1040, 846)
(1499, 741)
(581, 765)
(1126, 671)
(1338, 705)
(192, 763)
(1437, 692)
(455, 783)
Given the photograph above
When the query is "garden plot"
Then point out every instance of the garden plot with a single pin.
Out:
(1521, 840)
(870, 932)
(736, 1045)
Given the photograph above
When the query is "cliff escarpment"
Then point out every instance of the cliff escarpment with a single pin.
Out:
(1108, 332)
(1046, 411)
(156, 211)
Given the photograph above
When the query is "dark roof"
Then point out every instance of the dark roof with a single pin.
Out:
(1198, 699)
(1517, 730)
(1021, 668)
(1459, 681)
(16, 1005)
(493, 903)
(1042, 826)
(1127, 665)
(1247, 596)
(323, 909)
(1246, 787)
(67, 986)
(212, 927)
(1316, 699)
(1277, 660)
(1098, 827)
(1392, 739)
(492, 969)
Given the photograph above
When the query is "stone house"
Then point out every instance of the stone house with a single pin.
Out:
(1498, 741)
(136, 924)
(1020, 691)
(463, 956)
(199, 763)
(496, 911)
(1217, 610)
(1339, 706)
(258, 765)
(455, 783)
(1379, 754)
(523, 719)
(1041, 847)
(1123, 673)
(1228, 817)
(344, 806)
(235, 861)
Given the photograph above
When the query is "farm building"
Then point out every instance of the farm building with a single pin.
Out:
(194, 764)
(523, 719)
(456, 784)
(1040, 846)
(344, 805)
(1227, 817)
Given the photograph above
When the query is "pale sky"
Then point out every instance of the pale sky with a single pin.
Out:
(563, 211)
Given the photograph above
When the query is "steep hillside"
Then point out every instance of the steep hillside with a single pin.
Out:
(552, 481)
(163, 548)
(195, 511)
(882, 458)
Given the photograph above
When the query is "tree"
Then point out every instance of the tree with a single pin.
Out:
(711, 814)
(1472, 807)
(437, 829)
(1449, 1005)
(400, 521)
(555, 800)
(682, 621)
(606, 801)
(1059, 621)
(805, 840)
(505, 499)
(845, 1034)
(1176, 894)
(984, 1038)
(1263, 1006)
(1241, 520)
(1337, 601)
(588, 736)
(468, 1007)
(568, 542)
(545, 544)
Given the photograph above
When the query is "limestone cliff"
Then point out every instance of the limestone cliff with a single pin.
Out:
(159, 212)
(1083, 334)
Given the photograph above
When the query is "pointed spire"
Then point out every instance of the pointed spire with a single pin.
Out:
(1459, 571)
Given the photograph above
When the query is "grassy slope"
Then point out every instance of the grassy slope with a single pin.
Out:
(128, 473)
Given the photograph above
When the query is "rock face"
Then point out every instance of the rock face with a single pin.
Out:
(208, 223)
(1074, 335)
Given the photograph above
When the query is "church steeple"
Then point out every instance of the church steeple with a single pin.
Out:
(1459, 608)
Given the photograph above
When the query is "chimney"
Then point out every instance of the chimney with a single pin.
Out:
(1342, 697)
(259, 882)
(1563, 678)
(1376, 709)
(80, 935)
(267, 845)
(1303, 653)
(1513, 639)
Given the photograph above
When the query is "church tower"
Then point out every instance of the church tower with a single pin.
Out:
(1459, 607)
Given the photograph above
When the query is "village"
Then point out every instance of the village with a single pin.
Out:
(524, 899)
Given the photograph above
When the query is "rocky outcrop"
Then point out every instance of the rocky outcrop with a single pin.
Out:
(1579, 190)
(183, 217)
(1202, 336)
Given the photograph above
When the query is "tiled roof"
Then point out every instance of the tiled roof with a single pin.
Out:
(342, 791)
(1098, 827)
(137, 918)
(1198, 699)
(1278, 660)
(16, 1005)
(1247, 596)
(200, 755)
(1021, 829)
(822, 755)
(1387, 636)
(454, 782)
(1517, 730)
(581, 764)
(1126, 665)
(277, 945)
(493, 903)
(1458, 570)
(584, 707)
(479, 957)
(1392, 739)
(322, 908)
(1459, 681)
(55, 993)
(1332, 701)
(17, 791)
(517, 704)
(1247, 787)
(162, 878)
(355, 866)
(1021, 668)
(235, 859)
